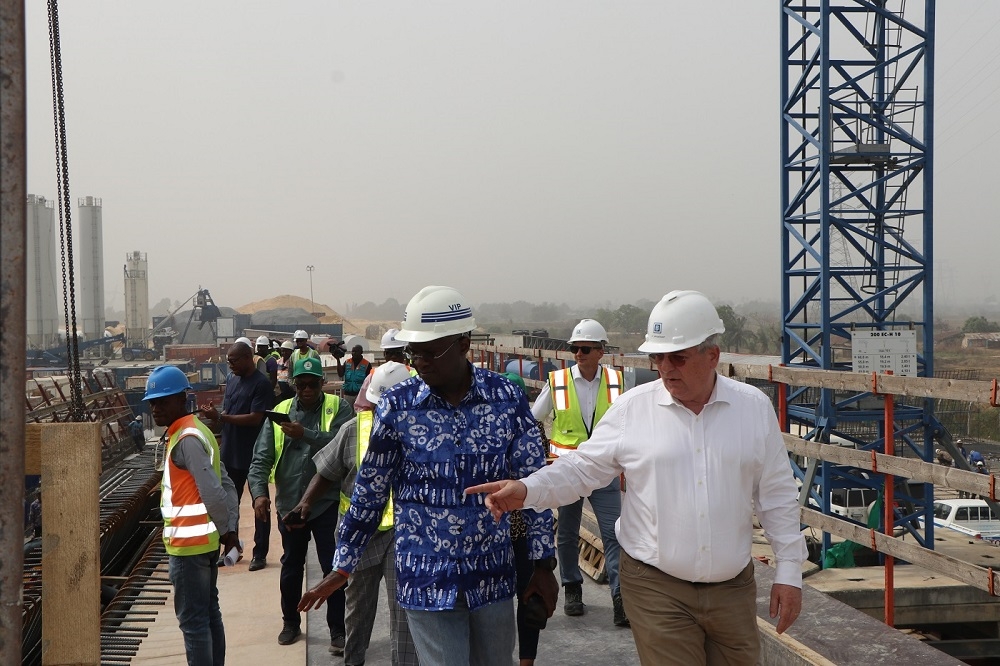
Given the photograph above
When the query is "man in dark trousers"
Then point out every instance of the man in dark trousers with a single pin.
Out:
(248, 396)
(283, 454)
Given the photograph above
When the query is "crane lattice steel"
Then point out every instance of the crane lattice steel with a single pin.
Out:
(857, 93)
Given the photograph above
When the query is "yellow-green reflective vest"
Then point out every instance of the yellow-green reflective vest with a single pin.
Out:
(331, 405)
(187, 527)
(568, 427)
(365, 419)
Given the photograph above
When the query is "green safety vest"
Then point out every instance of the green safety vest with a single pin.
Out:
(568, 427)
(365, 419)
(331, 405)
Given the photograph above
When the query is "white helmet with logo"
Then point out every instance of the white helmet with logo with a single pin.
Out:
(436, 312)
(681, 320)
(389, 340)
(263, 341)
(588, 330)
(301, 335)
(384, 378)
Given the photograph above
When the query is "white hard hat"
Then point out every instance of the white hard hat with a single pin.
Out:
(436, 312)
(288, 344)
(262, 340)
(681, 320)
(588, 330)
(389, 340)
(384, 378)
(301, 335)
(245, 341)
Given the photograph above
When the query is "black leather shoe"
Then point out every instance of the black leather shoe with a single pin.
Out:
(222, 562)
(573, 599)
(288, 634)
(258, 563)
(621, 620)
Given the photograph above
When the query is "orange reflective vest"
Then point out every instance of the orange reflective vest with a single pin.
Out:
(568, 427)
(187, 527)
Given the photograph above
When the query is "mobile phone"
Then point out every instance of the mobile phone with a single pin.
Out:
(293, 518)
(277, 417)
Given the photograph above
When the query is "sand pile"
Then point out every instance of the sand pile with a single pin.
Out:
(280, 305)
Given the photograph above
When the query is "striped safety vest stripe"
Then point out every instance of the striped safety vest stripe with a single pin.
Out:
(187, 527)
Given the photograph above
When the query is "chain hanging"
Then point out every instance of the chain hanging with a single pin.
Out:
(77, 409)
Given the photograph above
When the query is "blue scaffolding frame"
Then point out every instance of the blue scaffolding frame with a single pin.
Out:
(857, 93)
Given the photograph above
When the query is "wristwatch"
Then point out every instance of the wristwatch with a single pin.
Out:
(546, 563)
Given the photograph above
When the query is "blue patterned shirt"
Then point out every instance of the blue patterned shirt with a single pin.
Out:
(427, 452)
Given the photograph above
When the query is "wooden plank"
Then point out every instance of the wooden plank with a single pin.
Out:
(969, 574)
(911, 468)
(70, 456)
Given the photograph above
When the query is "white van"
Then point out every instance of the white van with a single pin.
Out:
(968, 516)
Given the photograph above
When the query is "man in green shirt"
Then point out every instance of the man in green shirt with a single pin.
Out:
(283, 454)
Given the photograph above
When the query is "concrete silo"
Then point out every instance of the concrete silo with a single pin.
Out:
(137, 320)
(43, 306)
(89, 252)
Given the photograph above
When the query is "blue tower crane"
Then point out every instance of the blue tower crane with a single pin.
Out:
(857, 116)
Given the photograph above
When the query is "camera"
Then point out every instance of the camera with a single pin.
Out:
(534, 613)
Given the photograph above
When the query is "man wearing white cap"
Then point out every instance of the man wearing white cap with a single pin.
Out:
(577, 398)
(302, 348)
(392, 350)
(431, 436)
(702, 453)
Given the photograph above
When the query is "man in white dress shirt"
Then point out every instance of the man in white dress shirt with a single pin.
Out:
(702, 453)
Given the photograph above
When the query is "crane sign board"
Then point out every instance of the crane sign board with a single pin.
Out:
(881, 351)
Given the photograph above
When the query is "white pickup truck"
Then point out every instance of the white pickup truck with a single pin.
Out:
(968, 516)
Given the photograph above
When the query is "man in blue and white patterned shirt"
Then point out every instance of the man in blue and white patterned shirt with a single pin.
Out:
(435, 435)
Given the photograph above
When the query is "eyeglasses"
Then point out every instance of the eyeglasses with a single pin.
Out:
(426, 357)
(676, 359)
(583, 350)
(313, 384)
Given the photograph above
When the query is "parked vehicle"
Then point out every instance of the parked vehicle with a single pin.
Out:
(968, 516)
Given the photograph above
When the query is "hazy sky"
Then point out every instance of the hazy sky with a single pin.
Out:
(565, 151)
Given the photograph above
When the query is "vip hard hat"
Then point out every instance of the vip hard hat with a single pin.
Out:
(681, 320)
(307, 366)
(262, 340)
(288, 344)
(165, 380)
(245, 341)
(385, 377)
(301, 335)
(588, 330)
(389, 340)
(436, 312)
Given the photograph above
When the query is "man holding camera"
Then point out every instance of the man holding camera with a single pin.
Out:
(299, 427)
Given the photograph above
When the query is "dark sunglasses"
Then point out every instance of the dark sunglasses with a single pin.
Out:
(676, 359)
(582, 350)
(427, 357)
(308, 384)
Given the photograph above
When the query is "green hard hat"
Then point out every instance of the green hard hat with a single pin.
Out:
(307, 366)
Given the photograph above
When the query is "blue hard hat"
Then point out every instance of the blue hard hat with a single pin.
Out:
(165, 380)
